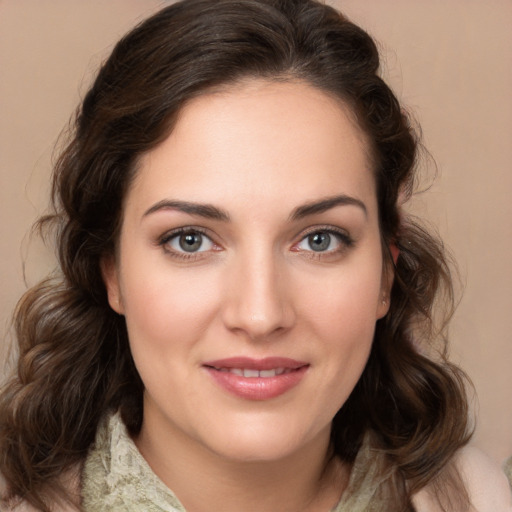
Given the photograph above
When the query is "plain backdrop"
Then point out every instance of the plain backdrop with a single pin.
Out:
(449, 62)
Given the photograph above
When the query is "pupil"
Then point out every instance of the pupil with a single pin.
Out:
(191, 242)
(319, 241)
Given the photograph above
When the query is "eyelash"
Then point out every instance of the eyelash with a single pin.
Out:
(342, 236)
(191, 256)
(345, 240)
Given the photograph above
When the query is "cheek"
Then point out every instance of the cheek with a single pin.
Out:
(167, 314)
(167, 310)
(342, 314)
(344, 302)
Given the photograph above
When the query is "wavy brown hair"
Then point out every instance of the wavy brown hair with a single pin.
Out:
(74, 360)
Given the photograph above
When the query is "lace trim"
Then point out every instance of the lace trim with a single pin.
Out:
(117, 477)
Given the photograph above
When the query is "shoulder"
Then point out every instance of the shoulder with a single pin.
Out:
(508, 470)
(19, 506)
(23, 506)
(486, 484)
(71, 481)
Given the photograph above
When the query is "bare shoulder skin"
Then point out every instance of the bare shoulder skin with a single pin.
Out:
(486, 484)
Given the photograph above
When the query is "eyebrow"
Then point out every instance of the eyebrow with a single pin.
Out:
(208, 211)
(326, 204)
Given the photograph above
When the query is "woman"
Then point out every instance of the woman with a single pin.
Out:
(244, 316)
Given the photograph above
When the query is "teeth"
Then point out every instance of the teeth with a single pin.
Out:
(251, 374)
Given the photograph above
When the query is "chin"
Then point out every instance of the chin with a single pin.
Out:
(256, 451)
(262, 442)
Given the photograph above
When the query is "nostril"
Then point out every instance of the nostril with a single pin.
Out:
(268, 321)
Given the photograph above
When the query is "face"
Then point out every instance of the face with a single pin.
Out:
(250, 271)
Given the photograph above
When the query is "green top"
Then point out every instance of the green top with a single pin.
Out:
(117, 477)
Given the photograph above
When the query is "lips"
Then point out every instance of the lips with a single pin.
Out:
(257, 379)
(250, 374)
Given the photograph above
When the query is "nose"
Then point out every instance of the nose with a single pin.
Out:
(258, 297)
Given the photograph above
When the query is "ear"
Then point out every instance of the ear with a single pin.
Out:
(388, 276)
(110, 275)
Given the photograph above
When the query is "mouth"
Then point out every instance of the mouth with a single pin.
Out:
(253, 374)
(257, 379)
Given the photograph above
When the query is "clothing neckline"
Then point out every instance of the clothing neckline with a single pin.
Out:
(117, 477)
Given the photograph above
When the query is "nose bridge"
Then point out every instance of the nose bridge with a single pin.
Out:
(257, 301)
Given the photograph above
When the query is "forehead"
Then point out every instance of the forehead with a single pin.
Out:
(252, 139)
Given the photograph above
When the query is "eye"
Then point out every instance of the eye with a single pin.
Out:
(188, 241)
(324, 240)
(319, 242)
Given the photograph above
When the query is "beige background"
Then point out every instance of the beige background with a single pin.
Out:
(448, 61)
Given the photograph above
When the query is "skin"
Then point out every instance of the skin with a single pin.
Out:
(258, 151)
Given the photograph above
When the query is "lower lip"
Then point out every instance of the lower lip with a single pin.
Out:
(257, 388)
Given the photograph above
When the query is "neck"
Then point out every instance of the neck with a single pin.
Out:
(310, 480)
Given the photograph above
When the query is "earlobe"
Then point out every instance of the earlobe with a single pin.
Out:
(383, 307)
(111, 280)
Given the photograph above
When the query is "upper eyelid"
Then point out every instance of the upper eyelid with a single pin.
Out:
(325, 228)
(171, 233)
(303, 233)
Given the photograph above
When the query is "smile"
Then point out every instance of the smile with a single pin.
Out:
(251, 374)
(254, 379)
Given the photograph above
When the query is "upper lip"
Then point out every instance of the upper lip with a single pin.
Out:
(267, 363)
